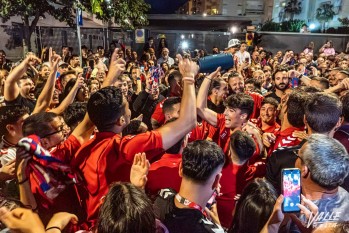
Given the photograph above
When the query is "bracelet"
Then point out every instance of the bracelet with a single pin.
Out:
(54, 227)
(23, 181)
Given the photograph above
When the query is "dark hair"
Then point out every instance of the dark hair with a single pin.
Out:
(74, 114)
(256, 84)
(200, 159)
(172, 76)
(215, 84)
(73, 56)
(345, 102)
(322, 112)
(243, 145)
(126, 209)
(105, 107)
(10, 115)
(68, 87)
(271, 101)
(241, 101)
(295, 107)
(132, 128)
(278, 69)
(256, 202)
(38, 124)
(100, 47)
(168, 104)
(64, 74)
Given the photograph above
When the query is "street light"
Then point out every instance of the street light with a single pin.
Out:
(233, 29)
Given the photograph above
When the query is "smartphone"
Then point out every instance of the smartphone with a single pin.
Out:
(291, 189)
(247, 59)
(142, 69)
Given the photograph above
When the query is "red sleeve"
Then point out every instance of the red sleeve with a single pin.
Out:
(158, 115)
(66, 151)
(150, 143)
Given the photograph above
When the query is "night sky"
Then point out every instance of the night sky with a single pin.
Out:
(165, 6)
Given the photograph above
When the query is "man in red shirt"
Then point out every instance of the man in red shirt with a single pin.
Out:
(49, 127)
(217, 94)
(165, 110)
(108, 157)
(236, 174)
(267, 119)
(164, 173)
(237, 85)
(293, 120)
(238, 109)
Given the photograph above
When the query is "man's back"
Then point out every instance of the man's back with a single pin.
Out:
(182, 220)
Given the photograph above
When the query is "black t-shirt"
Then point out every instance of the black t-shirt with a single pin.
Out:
(179, 220)
(20, 100)
(216, 108)
(281, 158)
(273, 94)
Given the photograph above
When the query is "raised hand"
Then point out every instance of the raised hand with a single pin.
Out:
(116, 68)
(139, 170)
(187, 68)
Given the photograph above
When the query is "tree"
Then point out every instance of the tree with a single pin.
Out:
(128, 13)
(324, 14)
(293, 7)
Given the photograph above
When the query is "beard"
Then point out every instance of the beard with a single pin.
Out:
(281, 86)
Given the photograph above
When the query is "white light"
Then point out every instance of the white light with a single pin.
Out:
(182, 37)
(233, 29)
(311, 26)
(204, 14)
(185, 45)
(192, 35)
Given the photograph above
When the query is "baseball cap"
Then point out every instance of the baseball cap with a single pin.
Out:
(62, 63)
(233, 43)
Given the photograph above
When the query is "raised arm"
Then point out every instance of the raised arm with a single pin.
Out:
(84, 130)
(46, 94)
(11, 90)
(70, 97)
(203, 111)
(116, 68)
(174, 131)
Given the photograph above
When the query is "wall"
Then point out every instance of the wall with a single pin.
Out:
(296, 41)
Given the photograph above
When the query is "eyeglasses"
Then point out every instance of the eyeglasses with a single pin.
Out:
(60, 129)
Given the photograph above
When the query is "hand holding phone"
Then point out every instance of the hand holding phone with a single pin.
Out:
(291, 189)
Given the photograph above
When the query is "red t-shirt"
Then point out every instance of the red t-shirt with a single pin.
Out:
(107, 158)
(200, 132)
(158, 115)
(257, 99)
(164, 174)
(272, 129)
(285, 139)
(233, 181)
(64, 152)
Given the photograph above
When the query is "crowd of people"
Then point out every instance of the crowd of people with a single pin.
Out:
(117, 142)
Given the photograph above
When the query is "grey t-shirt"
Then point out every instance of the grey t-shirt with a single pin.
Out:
(332, 209)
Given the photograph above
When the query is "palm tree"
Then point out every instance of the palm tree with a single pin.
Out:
(324, 14)
(293, 8)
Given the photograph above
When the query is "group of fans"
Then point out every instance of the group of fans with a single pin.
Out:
(114, 143)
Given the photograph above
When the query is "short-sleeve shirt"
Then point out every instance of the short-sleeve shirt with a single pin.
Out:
(108, 158)
(164, 173)
(182, 220)
(233, 181)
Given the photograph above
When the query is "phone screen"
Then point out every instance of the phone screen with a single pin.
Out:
(142, 69)
(291, 189)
